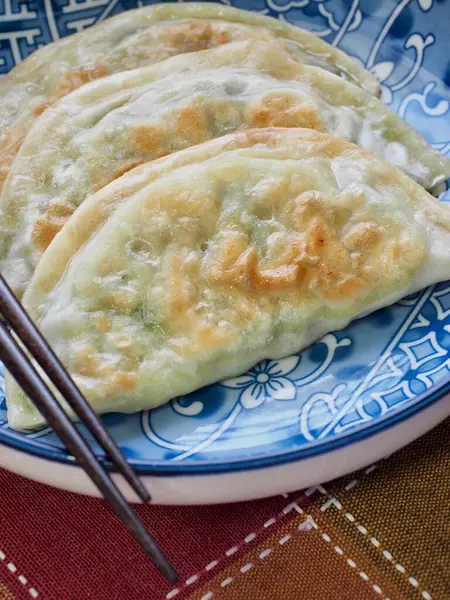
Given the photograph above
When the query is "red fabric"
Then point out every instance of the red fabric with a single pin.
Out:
(378, 534)
(73, 547)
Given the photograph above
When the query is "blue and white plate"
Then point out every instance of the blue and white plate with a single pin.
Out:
(352, 398)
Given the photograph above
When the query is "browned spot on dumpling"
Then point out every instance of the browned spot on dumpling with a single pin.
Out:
(270, 137)
(84, 360)
(148, 139)
(191, 37)
(195, 334)
(10, 143)
(40, 108)
(183, 295)
(307, 205)
(327, 146)
(278, 277)
(50, 223)
(234, 261)
(339, 286)
(192, 124)
(204, 337)
(123, 301)
(284, 111)
(125, 167)
(13, 137)
(72, 80)
(334, 273)
(160, 42)
(362, 236)
(122, 381)
(88, 363)
(311, 255)
(237, 263)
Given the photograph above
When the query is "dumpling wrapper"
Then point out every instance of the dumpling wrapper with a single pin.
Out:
(142, 37)
(192, 268)
(105, 128)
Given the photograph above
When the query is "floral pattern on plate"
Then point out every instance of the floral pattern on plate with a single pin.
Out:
(351, 379)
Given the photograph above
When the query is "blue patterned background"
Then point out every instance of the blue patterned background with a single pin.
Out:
(352, 379)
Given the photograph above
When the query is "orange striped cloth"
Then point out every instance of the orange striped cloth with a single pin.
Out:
(382, 533)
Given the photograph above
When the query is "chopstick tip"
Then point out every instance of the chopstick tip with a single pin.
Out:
(145, 496)
(170, 574)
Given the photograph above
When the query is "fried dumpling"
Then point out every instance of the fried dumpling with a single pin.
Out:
(142, 37)
(194, 267)
(108, 126)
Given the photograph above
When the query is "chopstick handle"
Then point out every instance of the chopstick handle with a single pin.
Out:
(44, 355)
(34, 387)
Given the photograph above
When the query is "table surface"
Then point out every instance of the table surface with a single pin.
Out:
(381, 533)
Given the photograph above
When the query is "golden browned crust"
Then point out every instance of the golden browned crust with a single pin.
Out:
(96, 143)
(194, 36)
(98, 208)
(10, 143)
(225, 251)
(50, 223)
(323, 261)
(148, 139)
(277, 110)
(12, 137)
(192, 125)
(72, 80)
(153, 44)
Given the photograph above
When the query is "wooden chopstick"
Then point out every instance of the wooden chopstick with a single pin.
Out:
(22, 325)
(36, 389)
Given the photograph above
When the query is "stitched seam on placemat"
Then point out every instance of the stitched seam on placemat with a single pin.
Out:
(349, 486)
(251, 536)
(333, 501)
(21, 578)
(324, 536)
(233, 549)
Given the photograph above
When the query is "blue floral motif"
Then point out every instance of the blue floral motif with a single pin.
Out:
(418, 361)
(266, 381)
(376, 367)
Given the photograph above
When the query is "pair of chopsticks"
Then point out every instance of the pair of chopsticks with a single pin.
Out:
(14, 318)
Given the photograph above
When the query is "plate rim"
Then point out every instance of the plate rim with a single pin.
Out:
(205, 468)
(378, 425)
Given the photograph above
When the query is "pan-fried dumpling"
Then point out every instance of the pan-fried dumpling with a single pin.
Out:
(194, 267)
(98, 132)
(142, 37)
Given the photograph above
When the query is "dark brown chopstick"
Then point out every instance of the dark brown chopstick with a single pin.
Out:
(36, 389)
(15, 315)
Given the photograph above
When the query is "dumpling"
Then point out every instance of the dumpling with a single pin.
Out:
(108, 126)
(194, 267)
(142, 37)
